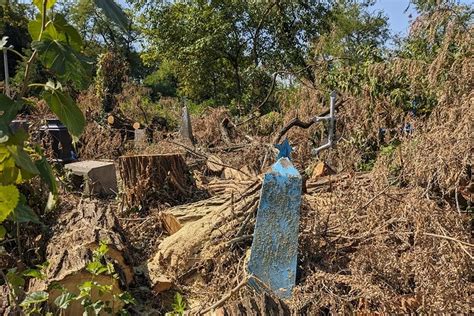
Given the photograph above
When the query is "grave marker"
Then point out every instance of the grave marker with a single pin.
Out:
(273, 257)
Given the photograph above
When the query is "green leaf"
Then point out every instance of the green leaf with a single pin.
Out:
(39, 4)
(101, 250)
(9, 198)
(35, 298)
(22, 159)
(97, 306)
(127, 298)
(8, 111)
(114, 13)
(16, 281)
(33, 273)
(64, 300)
(23, 213)
(61, 58)
(57, 29)
(9, 173)
(67, 33)
(67, 111)
(3, 232)
(47, 175)
(96, 268)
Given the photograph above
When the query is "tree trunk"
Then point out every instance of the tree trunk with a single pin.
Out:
(74, 237)
(175, 218)
(195, 240)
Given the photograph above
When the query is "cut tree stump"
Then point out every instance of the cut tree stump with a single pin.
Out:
(147, 176)
(74, 237)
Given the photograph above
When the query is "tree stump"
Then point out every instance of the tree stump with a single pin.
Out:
(74, 237)
(154, 176)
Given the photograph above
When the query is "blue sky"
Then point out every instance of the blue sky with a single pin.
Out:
(398, 19)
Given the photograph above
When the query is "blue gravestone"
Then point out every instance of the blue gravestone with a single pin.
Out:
(274, 250)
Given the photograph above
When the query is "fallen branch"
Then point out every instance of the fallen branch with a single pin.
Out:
(220, 302)
(449, 238)
(299, 123)
(191, 151)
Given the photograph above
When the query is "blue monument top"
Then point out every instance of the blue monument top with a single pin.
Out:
(284, 167)
(285, 149)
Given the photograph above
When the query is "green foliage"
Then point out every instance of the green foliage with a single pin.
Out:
(9, 198)
(31, 303)
(34, 302)
(163, 81)
(179, 306)
(114, 13)
(65, 108)
(58, 47)
(226, 51)
(111, 75)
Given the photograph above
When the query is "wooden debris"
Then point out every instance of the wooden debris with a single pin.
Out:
(162, 284)
(245, 173)
(227, 129)
(146, 175)
(136, 125)
(223, 186)
(175, 218)
(75, 236)
(214, 164)
(322, 169)
(198, 229)
(195, 240)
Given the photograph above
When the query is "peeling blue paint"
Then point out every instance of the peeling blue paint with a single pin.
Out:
(273, 257)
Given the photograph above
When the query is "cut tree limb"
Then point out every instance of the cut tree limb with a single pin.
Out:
(194, 241)
(175, 218)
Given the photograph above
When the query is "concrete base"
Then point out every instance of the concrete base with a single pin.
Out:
(96, 177)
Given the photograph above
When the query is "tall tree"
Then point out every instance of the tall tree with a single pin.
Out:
(226, 50)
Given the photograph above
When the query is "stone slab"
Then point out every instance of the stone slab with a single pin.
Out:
(97, 177)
